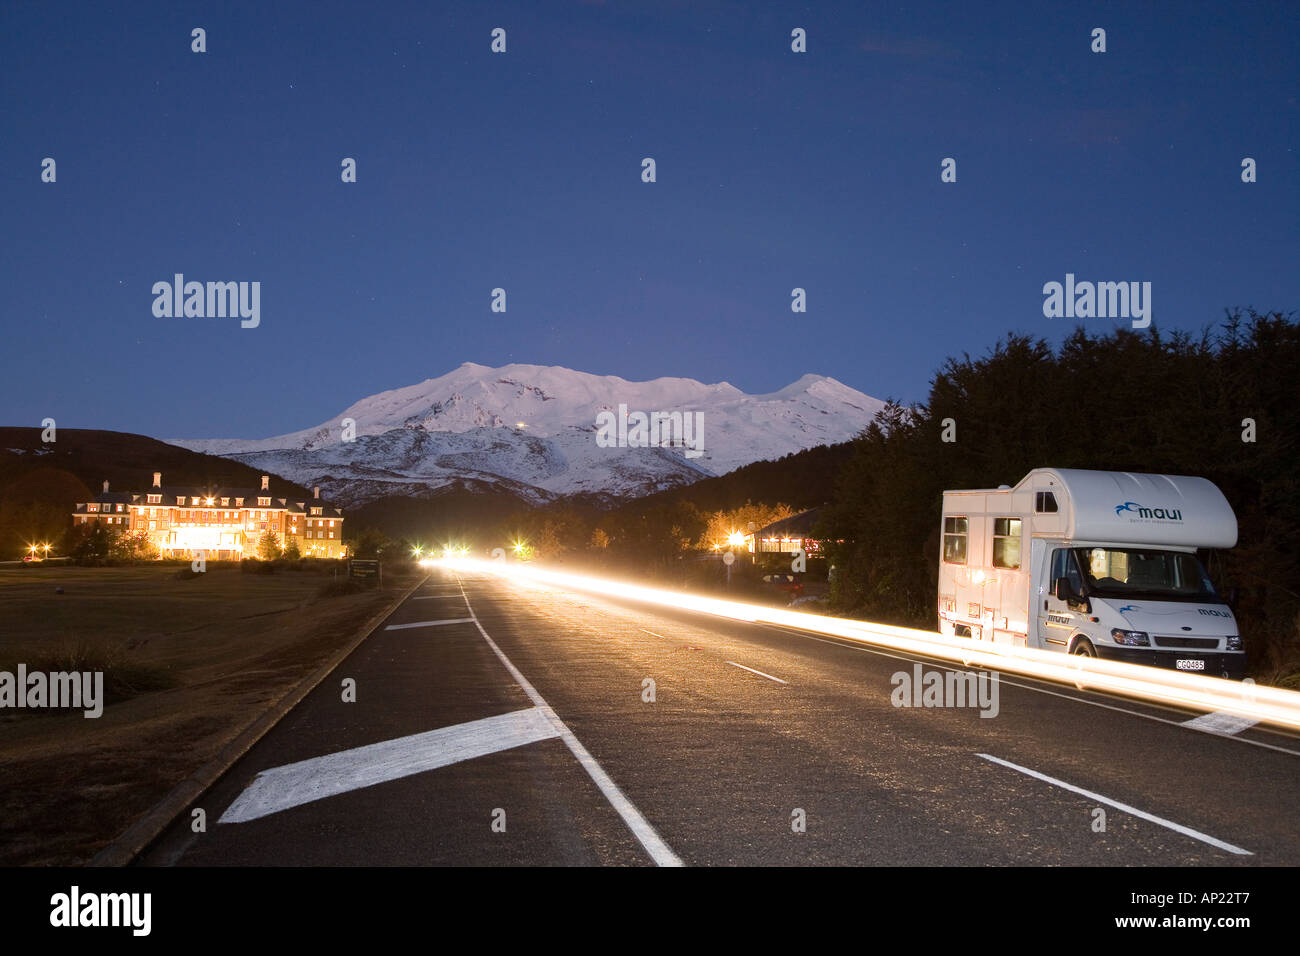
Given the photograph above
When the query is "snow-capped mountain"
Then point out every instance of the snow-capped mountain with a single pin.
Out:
(536, 431)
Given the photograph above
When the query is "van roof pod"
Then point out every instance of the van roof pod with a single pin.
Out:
(1178, 510)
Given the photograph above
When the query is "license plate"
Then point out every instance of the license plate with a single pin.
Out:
(1183, 664)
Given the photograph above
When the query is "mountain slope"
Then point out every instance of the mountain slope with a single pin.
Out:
(532, 431)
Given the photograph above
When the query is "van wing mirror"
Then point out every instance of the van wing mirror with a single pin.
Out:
(1063, 589)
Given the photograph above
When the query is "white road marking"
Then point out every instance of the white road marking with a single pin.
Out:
(1220, 722)
(308, 780)
(641, 828)
(1124, 807)
(450, 620)
(759, 673)
(434, 597)
(652, 633)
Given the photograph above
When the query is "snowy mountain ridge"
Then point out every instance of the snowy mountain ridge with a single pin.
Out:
(532, 430)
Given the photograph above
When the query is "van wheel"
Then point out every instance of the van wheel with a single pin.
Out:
(1084, 648)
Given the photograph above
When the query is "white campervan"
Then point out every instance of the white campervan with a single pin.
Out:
(1099, 563)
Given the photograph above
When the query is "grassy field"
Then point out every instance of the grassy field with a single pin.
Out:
(188, 664)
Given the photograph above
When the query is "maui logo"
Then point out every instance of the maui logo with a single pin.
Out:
(1128, 607)
(1208, 612)
(1160, 514)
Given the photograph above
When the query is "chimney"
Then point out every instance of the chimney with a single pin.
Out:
(157, 479)
(315, 492)
(266, 482)
(105, 486)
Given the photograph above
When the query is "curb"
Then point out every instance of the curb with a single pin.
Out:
(135, 838)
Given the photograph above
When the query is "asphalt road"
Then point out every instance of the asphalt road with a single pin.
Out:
(518, 730)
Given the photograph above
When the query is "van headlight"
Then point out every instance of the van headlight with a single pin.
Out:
(1130, 638)
(1234, 642)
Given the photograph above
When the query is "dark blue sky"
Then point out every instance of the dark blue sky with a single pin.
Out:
(522, 170)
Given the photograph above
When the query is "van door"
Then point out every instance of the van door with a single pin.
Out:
(1055, 619)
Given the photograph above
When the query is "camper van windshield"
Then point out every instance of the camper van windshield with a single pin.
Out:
(1154, 575)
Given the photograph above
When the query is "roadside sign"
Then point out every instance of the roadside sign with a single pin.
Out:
(366, 570)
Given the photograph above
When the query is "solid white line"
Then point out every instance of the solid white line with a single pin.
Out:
(1124, 807)
(653, 843)
(450, 620)
(1220, 722)
(759, 673)
(297, 783)
(652, 633)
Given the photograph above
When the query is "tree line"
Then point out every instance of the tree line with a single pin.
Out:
(1220, 404)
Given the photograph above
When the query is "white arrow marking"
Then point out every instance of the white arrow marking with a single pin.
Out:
(297, 783)
(450, 620)
(1220, 722)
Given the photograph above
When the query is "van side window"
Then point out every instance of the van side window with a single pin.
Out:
(1006, 542)
(1065, 566)
(954, 540)
(1045, 503)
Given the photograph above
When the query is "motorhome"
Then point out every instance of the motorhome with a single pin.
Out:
(1097, 563)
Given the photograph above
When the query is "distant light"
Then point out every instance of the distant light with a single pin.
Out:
(521, 425)
(735, 539)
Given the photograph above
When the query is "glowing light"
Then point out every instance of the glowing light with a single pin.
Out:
(1273, 705)
(977, 576)
(735, 539)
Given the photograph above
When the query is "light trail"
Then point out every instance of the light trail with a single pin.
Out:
(1270, 705)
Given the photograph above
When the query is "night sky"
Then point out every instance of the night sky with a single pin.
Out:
(523, 170)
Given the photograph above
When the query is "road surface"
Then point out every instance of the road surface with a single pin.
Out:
(499, 723)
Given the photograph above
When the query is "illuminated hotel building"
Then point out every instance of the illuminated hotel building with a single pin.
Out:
(224, 522)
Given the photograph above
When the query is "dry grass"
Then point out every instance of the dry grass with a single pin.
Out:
(188, 664)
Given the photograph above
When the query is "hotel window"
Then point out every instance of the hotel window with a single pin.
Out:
(1006, 542)
(316, 511)
(92, 507)
(954, 540)
(331, 534)
(239, 502)
(180, 499)
(331, 522)
(225, 502)
(264, 502)
(153, 525)
(155, 499)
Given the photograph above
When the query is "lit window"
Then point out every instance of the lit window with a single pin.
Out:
(954, 540)
(1006, 542)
